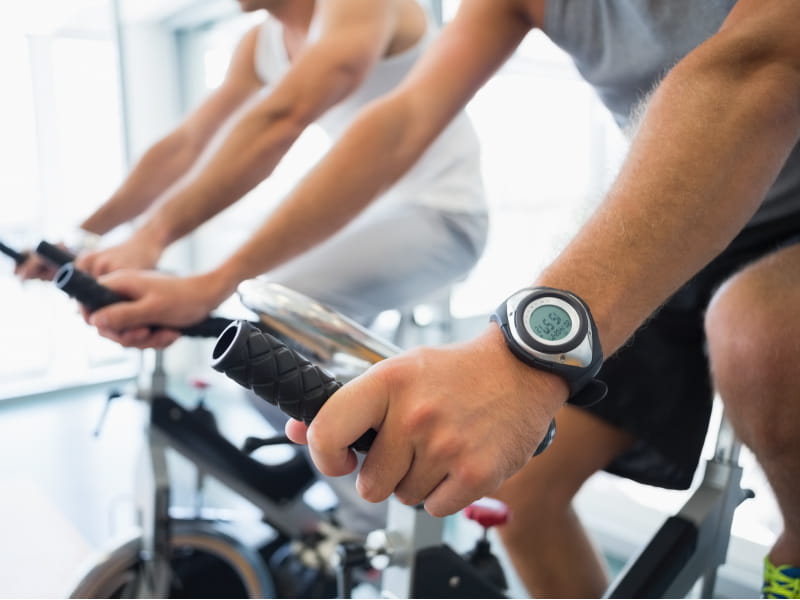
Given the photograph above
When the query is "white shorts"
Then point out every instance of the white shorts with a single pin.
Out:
(387, 258)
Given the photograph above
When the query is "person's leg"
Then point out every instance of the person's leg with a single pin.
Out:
(753, 332)
(544, 538)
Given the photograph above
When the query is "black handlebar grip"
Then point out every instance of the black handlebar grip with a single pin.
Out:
(276, 373)
(208, 328)
(54, 254)
(86, 290)
(17, 257)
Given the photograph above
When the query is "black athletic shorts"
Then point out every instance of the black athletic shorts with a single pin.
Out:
(659, 383)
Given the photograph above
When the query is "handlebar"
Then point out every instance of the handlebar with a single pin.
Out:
(51, 253)
(85, 289)
(276, 373)
(54, 254)
(285, 378)
(17, 257)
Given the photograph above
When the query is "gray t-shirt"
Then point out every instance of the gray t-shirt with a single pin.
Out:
(623, 48)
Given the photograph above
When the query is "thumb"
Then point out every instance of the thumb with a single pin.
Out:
(130, 283)
(296, 431)
(123, 315)
(135, 312)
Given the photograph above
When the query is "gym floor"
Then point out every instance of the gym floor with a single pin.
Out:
(59, 483)
(68, 494)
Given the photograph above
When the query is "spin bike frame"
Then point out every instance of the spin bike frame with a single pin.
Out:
(689, 546)
(692, 544)
(409, 552)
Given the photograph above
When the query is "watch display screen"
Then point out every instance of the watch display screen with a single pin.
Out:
(550, 322)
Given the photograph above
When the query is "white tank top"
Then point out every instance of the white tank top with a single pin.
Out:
(447, 176)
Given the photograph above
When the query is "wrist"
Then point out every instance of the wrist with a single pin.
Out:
(80, 240)
(549, 389)
(220, 284)
(155, 233)
(553, 330)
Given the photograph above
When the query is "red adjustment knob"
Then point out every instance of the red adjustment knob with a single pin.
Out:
(199, 384)
(487, 512)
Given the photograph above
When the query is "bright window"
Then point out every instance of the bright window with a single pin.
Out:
(62, 148)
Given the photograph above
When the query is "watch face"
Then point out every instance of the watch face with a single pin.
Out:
(551, 329)
(550, 322)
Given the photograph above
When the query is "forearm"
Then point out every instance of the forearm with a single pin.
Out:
(343, 184)
(160, 167)
(230, 167)
(713, 139)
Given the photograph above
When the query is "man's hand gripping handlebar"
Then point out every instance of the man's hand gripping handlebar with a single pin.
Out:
(285, 378)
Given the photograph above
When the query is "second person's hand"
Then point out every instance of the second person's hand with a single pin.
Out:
(155, 299)
(138, 252)
(35, 267)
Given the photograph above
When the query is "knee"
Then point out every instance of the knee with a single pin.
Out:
(535, 502)
(751, 350)
(748, 340)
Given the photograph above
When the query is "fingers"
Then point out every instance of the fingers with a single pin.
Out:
(452, 423)
(122, 316)
(417, 483)
(450, 496)
(351, 411)
(143, 309)
(35, 268)
(130, 323)
(138, 252)
(296, 431)
(94, 263)
(388, 462)
(141, 337)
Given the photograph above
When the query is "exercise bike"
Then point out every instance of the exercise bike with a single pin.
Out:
(171, 556)
(408, 552)
(199, 554)
(688, 548)
(161, 559)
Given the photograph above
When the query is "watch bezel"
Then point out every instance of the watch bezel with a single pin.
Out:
(570, 305)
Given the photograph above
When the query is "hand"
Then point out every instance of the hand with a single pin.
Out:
(138, 252)
(156, 299)
(35, 267)
(453, 423)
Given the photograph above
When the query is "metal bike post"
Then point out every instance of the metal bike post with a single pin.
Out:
(694, 543)
(155, 502)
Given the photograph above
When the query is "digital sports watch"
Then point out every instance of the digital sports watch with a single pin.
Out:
(553, 330)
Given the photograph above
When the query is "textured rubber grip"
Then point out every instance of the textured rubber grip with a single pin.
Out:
(207, 328)
(86, 290)
(276, 373)
(18, 257)
(54, 254)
